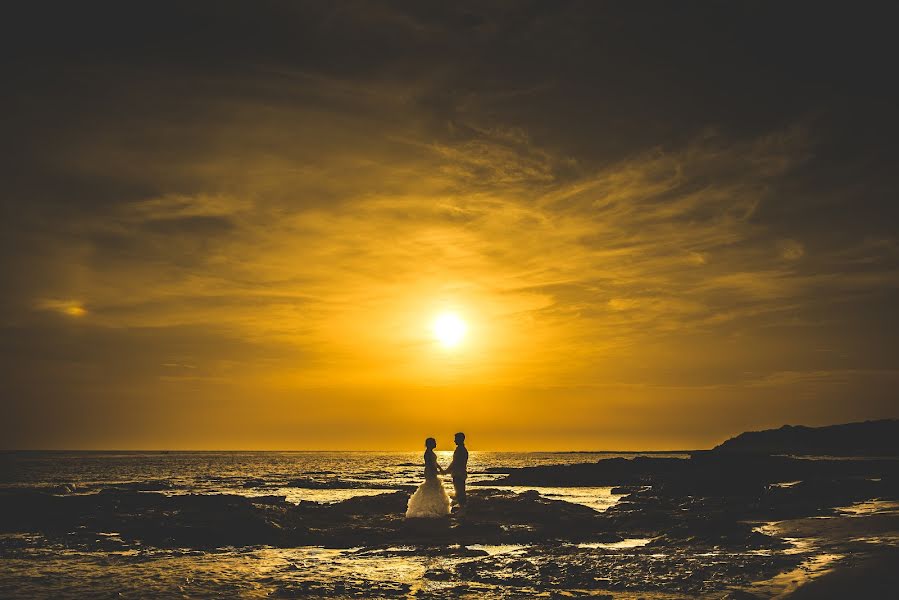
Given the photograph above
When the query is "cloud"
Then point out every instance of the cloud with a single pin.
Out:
(790, 249)
(267, 202)
(657, 246)
(71, 308)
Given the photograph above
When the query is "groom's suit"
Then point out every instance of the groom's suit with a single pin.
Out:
(459, 470)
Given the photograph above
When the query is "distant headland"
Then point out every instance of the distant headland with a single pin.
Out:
(867, 438)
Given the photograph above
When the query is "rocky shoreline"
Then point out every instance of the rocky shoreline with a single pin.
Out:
(692, 527)
(210, 521)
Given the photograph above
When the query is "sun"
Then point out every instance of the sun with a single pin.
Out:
(449, 329)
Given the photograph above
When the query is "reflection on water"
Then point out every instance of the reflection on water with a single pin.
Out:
(296, 495)
(493, 550)
(622, 545)
(34, 567)
(597, 498)
(245, 573)
(878, 540)
(783, 584)
(785, 484)
(317, 476)
(870, 507)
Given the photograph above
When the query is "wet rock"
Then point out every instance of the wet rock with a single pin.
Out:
(705, 473)
(547, 569)
(205, 521)
(740, 595)
(466, 590)
(144, 486)
(707, 502)
(340, 484)
(610, 471)
(428, 551)
(64, 488)
(255, 483)
(438, 574)
(627, 489)
(864, 575)
(354, 588)
(190, 520)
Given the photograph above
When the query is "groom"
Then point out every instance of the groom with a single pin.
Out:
(459, 468)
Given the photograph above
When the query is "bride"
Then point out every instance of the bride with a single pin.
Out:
(430, 499)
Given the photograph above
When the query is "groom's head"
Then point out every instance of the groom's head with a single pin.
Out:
(460, 438)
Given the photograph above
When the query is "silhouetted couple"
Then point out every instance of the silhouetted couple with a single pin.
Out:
(430, 499)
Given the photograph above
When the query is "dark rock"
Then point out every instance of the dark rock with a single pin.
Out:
(429, 551)
(705, 473)
(438, 574)
(339, 484)
(869, 438)
(627, 489)
(610, 471)
(64, 488)
(710, 501)
(144, 486)
(740, 595)
(358, 588)
(205, 521)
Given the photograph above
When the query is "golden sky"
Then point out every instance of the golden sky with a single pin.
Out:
(240, 238)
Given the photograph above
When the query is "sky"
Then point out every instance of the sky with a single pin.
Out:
(231, 225)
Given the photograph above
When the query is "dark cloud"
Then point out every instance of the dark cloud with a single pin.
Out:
(663, 195)
(200, 225)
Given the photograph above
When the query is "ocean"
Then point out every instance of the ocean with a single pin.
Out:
(311, 476)
(660, 543)
(34, 566)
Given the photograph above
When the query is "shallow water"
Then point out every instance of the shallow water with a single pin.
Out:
(870, 507)
(597, 498)
(313, 476)
(35, 567)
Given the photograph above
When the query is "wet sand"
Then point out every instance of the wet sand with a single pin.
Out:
(862, 543)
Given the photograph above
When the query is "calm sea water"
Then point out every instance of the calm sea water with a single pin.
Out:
(315, 476)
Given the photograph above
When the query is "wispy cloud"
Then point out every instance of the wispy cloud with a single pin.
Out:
(642, 251)
(287, 214)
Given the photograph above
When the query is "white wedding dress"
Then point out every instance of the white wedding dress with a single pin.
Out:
(430, 499)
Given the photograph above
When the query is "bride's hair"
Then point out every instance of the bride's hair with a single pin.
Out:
(430, 443)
